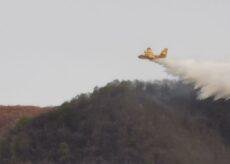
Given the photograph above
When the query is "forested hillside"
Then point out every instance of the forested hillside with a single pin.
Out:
(125, 122)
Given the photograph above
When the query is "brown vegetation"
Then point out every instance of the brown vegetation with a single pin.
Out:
(9, 115)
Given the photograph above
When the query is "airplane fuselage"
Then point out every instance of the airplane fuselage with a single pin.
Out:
(148, 54)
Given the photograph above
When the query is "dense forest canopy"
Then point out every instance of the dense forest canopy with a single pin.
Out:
(125, 122)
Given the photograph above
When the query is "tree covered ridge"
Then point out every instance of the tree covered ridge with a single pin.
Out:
(125, 122)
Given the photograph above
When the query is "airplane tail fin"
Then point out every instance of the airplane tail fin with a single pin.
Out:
(164, 53)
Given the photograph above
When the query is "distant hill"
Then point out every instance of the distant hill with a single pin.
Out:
(9, 115)
(125, 122)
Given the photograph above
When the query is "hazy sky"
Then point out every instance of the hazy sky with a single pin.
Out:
(52, 50)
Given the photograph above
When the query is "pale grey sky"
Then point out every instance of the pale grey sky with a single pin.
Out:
(52, 50)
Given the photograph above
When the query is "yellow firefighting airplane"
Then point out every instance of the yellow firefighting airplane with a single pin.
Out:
(148, 54)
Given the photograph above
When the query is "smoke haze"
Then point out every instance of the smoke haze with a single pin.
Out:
(212, 79)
